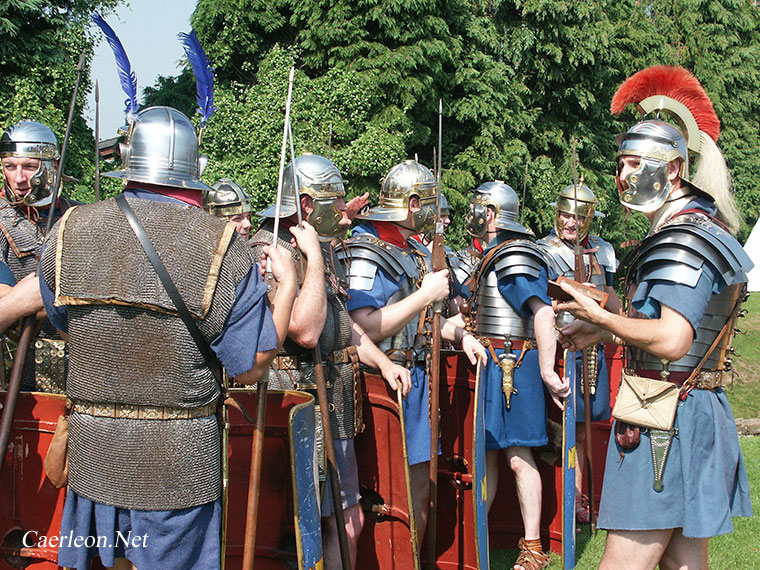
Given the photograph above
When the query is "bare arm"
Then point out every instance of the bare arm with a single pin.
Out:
(310, 309)
(668, 337)
(21, 300)
(370, 355)
(453, 330)
(543, 324)
(386, 321)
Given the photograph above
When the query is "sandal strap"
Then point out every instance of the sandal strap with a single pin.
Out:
(529, 558)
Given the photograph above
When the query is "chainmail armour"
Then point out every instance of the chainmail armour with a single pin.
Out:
(129, 346)
(336, 335)
(20, 246)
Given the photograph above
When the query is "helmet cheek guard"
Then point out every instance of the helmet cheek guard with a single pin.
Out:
(326, 217)
(647, 187)
(476, 220)
(41, 185)
(424, 218)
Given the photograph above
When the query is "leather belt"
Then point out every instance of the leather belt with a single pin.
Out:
(140, 412)
(706, 379)
(517, 344)
(294, 361)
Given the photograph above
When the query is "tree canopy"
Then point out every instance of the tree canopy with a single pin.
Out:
(40, 45)
(522, 82)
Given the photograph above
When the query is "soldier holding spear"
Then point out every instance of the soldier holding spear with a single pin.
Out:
(321, 321)
(392, 290)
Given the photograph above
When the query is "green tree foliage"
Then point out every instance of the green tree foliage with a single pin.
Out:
(243, 139)
(40, 45)
(520, 81)
(177, 92)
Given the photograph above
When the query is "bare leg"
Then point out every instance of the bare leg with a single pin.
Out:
(634, 549)
(684, 553)
(354, 517)
(492, 475)
(528, 481)
(421, 495)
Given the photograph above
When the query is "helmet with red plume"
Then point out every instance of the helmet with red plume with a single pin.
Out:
(681, 121)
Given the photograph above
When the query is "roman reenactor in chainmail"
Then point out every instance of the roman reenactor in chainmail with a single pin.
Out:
(230, 201)
(575, 212)
(144, 447)
(29, 155)
(668, 489)
(511, 311)
(320, 318)
(392, 289)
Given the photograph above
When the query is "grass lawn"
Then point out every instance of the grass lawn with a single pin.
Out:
(744, 394)
(741, 549)
(737, 551)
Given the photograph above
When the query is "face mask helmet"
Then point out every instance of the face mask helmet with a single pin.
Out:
(502, 199)
(576, 200)
(407, 179)
(162, 149)
(30, 139)
(677, 113)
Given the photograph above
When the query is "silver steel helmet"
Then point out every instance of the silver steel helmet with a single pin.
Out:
(30, 139)
(503, 199)
(445, 207)
(226, 198)
(407, 179)
(657, 143)
(318, 178)
(576, 200)
(162, 149)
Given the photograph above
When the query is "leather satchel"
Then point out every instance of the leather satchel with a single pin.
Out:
(56, 462)
(646, 402)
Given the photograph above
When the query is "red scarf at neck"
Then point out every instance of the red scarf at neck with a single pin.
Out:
(390, 233)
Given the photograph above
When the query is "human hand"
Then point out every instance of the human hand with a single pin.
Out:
(582, 307)
(280, 264)
(396, 374)
(579, 335)
(306, 239)
(435, 286)
(559, 388)
(473, 349)
(355, 204)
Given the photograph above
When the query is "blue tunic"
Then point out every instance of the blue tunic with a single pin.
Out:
(180, 538)
(524, 424)
(416, 402)
(705, 480)
(6, 275)
(600, 400)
